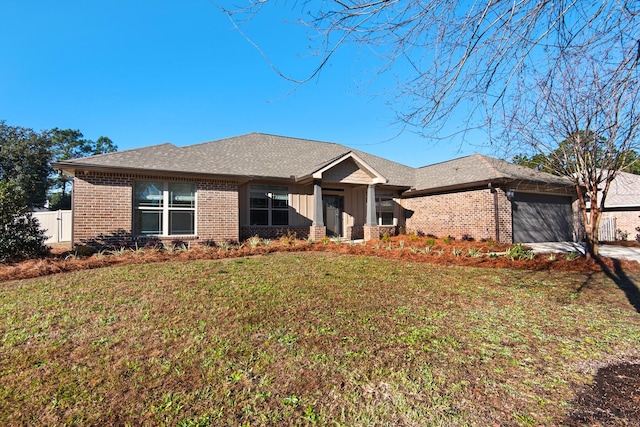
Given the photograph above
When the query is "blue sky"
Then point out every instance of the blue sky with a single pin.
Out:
(147, 72)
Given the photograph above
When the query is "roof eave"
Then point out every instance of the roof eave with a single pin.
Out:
(75, 169)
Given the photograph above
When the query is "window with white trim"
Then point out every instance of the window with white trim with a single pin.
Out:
(164, 208)
(385, 209)
(268, 205)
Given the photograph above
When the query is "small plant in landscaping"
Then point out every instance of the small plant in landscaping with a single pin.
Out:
(122, 250)
(401, 244)
(621, 235)
(492, 255)
(225, 246)
(552, 257)
(474, 253)
(572, 256)
(386, 238)
(267, 242)
(325, 240)
(72, 257)
(254, 241)
(428, 249)
(518, 252)
(430, 241)
(456, 251)
(289, 238)
(448, 239)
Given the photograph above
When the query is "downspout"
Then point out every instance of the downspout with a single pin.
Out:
(496, 216)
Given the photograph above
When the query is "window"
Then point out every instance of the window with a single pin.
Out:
(384, 209)
(164, 208)
(268, 205)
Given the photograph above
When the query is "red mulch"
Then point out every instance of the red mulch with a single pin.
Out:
(400, 247)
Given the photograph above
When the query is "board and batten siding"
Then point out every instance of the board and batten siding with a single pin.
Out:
(347, 172)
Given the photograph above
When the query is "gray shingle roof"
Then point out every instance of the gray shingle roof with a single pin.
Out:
(253, 154)
(478, 168)
(624, 191)
(272, 156)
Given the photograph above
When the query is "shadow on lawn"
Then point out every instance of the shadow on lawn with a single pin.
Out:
(624, 282)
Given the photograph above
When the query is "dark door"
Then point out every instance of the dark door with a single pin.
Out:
(333, 207)
(541, 218)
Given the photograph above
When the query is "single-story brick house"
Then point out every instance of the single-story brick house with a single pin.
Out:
(623, 205)
(267, 185)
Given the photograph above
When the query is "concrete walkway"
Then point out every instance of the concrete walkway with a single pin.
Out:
(610, 251)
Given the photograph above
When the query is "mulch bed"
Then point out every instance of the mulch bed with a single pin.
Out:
(406, 248)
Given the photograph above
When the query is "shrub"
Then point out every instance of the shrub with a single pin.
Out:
(518, 251)
(20, 234)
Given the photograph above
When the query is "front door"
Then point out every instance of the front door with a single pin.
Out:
(333, 206)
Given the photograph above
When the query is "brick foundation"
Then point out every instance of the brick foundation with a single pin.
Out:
(371, 232)
(317, 233)
(273, 232)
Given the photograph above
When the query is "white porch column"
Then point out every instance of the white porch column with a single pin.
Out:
(371, 205)
(318, 220)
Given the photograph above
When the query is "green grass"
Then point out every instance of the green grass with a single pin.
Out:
(305, 339)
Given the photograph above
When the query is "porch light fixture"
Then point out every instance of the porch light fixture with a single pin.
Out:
(510, 194)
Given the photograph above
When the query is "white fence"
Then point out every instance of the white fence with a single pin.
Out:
(56, 224)
(607, 229)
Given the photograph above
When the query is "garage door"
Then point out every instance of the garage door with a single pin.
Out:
(541, 218)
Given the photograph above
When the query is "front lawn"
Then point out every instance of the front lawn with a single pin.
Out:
(307, 338)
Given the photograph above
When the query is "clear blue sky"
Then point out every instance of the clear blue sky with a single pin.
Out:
(146, 72)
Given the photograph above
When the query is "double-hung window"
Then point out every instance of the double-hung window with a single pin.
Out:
(268, 205)
(164, 208)
(385, 209)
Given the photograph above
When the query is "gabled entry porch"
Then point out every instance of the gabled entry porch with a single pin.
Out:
(344, 199)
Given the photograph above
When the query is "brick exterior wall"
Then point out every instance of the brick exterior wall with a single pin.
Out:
(217, 211)
(103, 210)
(626, 221)
(467, 213)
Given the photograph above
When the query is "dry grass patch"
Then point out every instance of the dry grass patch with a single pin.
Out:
(306, 339)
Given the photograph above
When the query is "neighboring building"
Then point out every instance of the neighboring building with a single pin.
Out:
(269, 185)
(622, 208)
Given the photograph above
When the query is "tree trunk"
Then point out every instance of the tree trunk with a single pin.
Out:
(593, 249)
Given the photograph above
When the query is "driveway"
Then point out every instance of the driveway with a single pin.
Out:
(610, 251)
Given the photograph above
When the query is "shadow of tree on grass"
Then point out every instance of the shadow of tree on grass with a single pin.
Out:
(624, 282)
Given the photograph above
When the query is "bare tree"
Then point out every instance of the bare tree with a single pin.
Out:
(533, 72)
(586, 121)
(458, 57)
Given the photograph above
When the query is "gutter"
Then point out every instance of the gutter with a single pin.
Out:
(491, 183)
